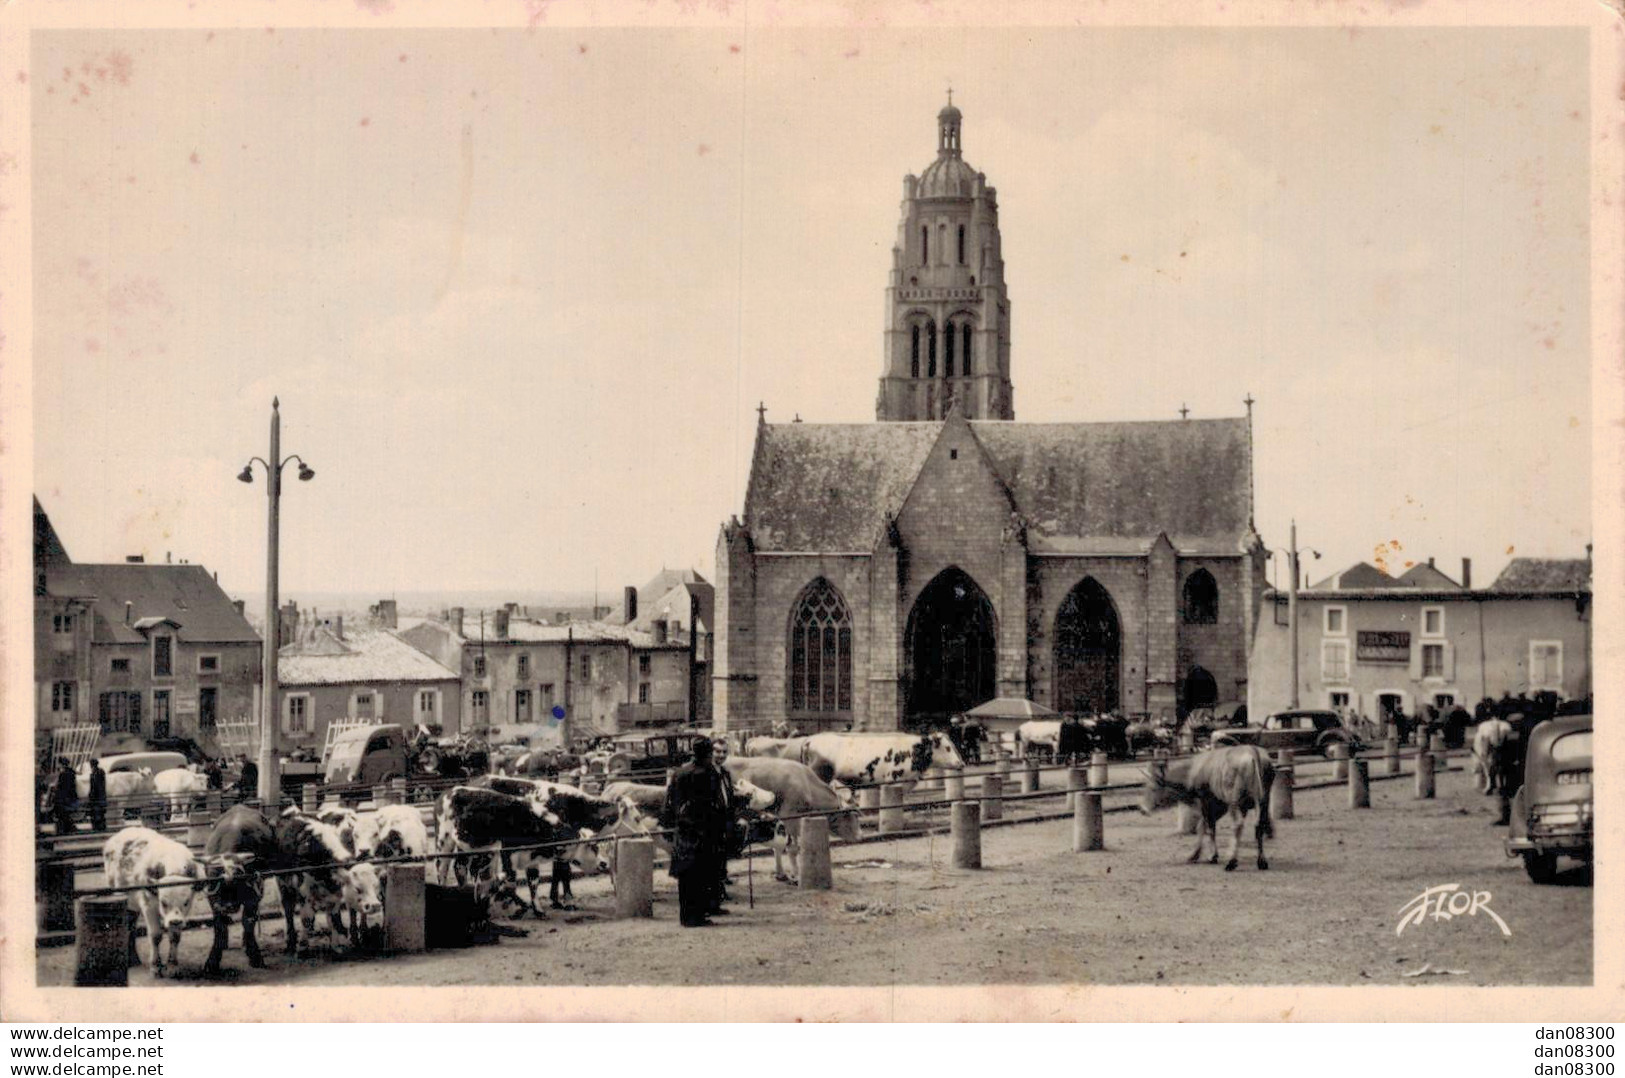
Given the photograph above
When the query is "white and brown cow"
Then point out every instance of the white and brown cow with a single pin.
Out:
(171, 877)
(499, 835)
(326, 879)
(795, 789)
(1490, 754)
(878, 757)
(1230, 781)
(179, 786)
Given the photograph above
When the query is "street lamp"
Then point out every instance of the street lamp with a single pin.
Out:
(1292, 608)
(269, 763)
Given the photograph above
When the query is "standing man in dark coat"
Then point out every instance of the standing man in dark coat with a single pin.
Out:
(733, 834)
(64, 796)
(214, 774)
(696, 808)
(96, 798)
(248, 784)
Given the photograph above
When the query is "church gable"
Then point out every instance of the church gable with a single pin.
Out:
(958, 508)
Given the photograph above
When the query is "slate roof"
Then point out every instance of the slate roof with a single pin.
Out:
(1083, 487)
(1359, 575)
(1423, 575)
(525, 631)
(1545, 574)
(185, 594)
(370, 655)
(673, 605)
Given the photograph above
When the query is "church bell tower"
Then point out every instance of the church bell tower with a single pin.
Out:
(947, 312)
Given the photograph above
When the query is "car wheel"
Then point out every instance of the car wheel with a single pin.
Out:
(1542, 867)
(429, 762)
(617, 763)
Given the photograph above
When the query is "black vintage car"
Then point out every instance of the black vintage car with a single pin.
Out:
(1300, 731)
(1552, 814)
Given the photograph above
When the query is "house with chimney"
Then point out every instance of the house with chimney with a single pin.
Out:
(683, 602)
(1372, 643)
(152, 649)
(569, 682)
(327, 673)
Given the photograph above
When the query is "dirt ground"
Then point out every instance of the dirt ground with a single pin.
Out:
(1036, 913)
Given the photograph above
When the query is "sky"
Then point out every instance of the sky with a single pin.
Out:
(520, 292)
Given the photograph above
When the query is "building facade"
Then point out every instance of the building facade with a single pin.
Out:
(1370, 644)
(571, 679)
(156, 650)
(326, 674)
(891, 574)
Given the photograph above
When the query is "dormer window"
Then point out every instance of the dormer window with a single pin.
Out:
(163, 656)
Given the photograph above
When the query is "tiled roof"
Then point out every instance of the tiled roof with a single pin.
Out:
(370, 655)
(185, 594)
(1423, 575)
(1545, 574)
(827, 487)
(525, 631)
(1360, 575)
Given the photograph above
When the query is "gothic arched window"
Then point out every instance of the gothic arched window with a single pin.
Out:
(821, 651)
(930, 349)
(965, 358)
(948, 351)
(1201, 598)
(961, 245)
(914, 354)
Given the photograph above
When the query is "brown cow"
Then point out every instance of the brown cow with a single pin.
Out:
(1230, 781)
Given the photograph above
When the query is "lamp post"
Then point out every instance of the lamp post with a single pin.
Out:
(269, 763)
(1292, 610)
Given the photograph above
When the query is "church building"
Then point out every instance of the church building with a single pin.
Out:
(891, 574)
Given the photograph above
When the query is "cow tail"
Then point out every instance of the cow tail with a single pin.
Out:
(1266, 825)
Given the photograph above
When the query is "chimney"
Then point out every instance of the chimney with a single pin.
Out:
(169, 558)
(629, 605)
(129, 611)
(386, 613)
(287, 624)
(454, 618)
(1430, 561)
(134, 559)
(338, 626)
(510, 608)
(1467, 572)
(499, 623)
(238, 604)
(659, 629)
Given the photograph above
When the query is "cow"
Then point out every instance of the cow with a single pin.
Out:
(1039, 737)
(1230, 781)
(397, 831)
(631, 822)
(177, 786)
(240, 845)
(646, 798)
(778, 747)
(579, 811)
(170, 878)
(326, 880)
(474, 820)
(121, 785)
(355, 828)
(795, 789)
(878, 757)
(1491, 755)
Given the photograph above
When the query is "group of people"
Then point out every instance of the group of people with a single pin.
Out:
(62, 795)
(968, 736)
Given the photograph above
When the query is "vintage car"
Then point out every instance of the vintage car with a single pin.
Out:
(643, 754)
(1552, 812)
(369, 755)
(1300, 731)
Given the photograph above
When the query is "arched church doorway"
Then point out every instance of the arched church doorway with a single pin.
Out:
(1198, 690)
(1088, 650)
(952, 648)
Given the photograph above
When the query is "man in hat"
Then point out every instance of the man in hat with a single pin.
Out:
(696, 808)
(64, 796)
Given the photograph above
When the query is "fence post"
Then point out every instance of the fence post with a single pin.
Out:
(102, 942)
(1339, 755)
(1360, 784)
(966, 826)
(1001, 766)
(1077, 778)
(1088, 823)
(891, 808)
(868, 805)
(212, 804)
(813, 861)
(635, 878)
(1281, 789)
(405, 913)
(397, 791)
(53, 895)
(1424, 776)
(953, 784)
(993, 797)
(308, 794)
(198, 826)
(1098, 772)
(1187, 740)
(1390, 752)
(1029, 776)
(380, 795)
